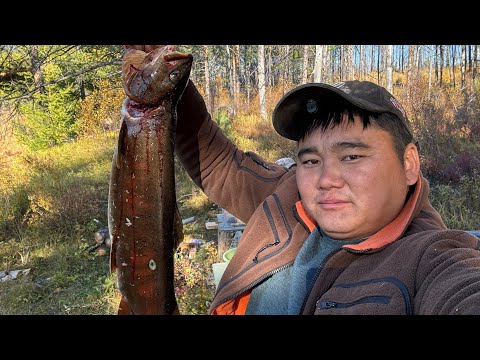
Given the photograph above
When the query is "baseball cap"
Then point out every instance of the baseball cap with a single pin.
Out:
(298, 108)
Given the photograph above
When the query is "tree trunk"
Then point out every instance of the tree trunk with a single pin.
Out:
(268, 74)
(305, 64)
(317, 69)
(410, 70)
(37, 68)
(247, 80)
(430, 73)
(237, 73)
(454, 51)
(447, 63)
(372, 59)
(208, 93)
(475, 64)
(261, 82)
(463, 67)
(286, 63)
(389, 69)
(469, 58)
(402, 58)
(234, 82)
(441, 65)
(230, 76)
(341, 68)
(378, 63)
(349, 63)
(361, 72)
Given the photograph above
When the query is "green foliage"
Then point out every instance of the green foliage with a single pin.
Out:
(49, 119)
(47, 114)
(223, 120)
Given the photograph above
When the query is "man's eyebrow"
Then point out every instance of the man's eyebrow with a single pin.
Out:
(307, 150)
(336, 147)
(350, 145)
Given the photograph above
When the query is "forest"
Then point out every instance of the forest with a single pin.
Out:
(59, 119)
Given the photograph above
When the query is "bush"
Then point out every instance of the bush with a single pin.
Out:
(194, 286)
(459, 204)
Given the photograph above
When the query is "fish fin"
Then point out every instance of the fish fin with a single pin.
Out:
(120, 148)
(177, 227)
(116, 161)
(113, 254)
(176, 311)
(124, 309)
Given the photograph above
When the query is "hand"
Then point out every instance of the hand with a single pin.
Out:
(145, 48)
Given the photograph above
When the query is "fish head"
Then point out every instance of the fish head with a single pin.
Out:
(149, 78)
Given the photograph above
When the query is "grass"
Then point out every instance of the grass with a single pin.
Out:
(47, 212)
(47, 223)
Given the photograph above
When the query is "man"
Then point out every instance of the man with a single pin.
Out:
(350, 229)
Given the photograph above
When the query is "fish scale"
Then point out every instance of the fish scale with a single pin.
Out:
(144, 222)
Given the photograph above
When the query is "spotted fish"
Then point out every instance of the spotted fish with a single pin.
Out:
(143, 218)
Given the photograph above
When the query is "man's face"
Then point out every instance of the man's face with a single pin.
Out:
(351, 180)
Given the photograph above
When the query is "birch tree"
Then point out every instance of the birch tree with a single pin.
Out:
(430, 73)
(305, 64)
(208, 93)
(441, 65)
(261, 82)
(317, 69)
(463, 67)
(349, 63)
(389, 69)
(454, 50)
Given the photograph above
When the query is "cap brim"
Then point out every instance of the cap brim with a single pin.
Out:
(290, 117)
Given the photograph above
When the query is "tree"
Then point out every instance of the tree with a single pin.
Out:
(208, 92)
(261, 81)
(389, 69)
(317, 70)
(305, 64)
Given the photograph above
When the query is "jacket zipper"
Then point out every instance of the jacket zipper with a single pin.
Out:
(259, 280)
(314, 279)
(365, 300)
(400, 285)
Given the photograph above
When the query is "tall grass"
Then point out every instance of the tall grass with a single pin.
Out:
(47, 222)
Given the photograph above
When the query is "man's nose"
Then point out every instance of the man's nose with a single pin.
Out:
(330, 176)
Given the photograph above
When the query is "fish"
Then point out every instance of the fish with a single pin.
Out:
(143, 217)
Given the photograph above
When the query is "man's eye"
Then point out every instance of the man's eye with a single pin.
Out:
(351, 157)
(310, 162)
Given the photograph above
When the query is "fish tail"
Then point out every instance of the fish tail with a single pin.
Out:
(123, 308)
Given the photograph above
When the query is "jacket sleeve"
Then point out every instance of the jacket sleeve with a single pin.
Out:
(448, 277)
(235, 180)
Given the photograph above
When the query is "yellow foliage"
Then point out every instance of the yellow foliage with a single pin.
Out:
(101, 110)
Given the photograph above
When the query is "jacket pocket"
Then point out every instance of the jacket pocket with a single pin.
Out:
(382, 296)
(364, 300)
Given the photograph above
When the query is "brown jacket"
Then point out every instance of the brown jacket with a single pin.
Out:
(412, 266)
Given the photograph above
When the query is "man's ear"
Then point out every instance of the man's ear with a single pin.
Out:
(411, 163)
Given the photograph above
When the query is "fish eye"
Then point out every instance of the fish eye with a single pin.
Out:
(174, 75)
